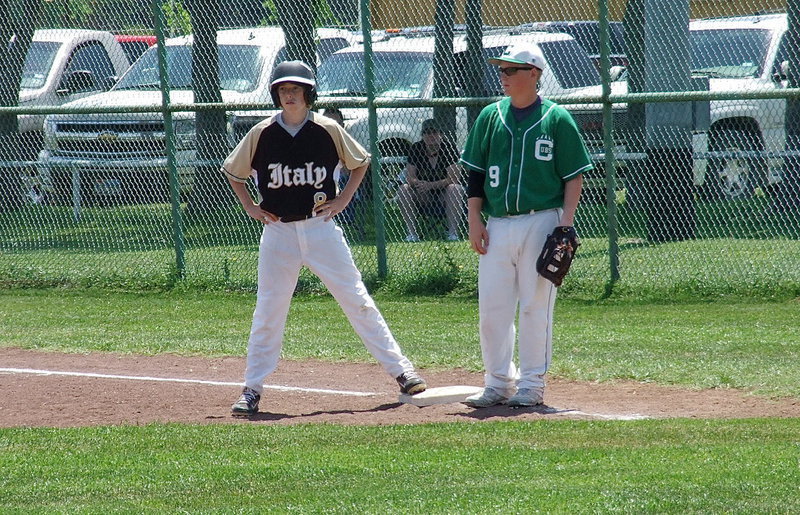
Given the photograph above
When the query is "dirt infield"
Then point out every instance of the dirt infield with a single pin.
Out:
(150, 391)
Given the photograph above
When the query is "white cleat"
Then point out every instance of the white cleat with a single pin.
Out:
(489, 397)
(526, 397)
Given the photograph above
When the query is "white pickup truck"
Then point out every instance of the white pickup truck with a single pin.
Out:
(63, 65)
(742, 54)
(95, 156)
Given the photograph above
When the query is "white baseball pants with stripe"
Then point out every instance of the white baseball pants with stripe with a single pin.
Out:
(507, 282)
(319, 245)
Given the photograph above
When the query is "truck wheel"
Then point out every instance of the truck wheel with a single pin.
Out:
(61, 187)
(145, 187)
(734, 177)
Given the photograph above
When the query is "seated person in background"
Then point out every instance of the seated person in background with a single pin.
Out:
(334, 114)
(432, 182)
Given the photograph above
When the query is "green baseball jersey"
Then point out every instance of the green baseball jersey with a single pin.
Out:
(525, 163)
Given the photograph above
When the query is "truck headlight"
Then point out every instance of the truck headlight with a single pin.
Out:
(49, 133)
(230, 123)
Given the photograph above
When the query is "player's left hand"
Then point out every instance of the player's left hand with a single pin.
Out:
(557, 254)
(331, 208)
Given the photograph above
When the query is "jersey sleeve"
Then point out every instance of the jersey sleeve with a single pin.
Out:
(238, 166)
(476, 148)
(571, 156)
(351, 153)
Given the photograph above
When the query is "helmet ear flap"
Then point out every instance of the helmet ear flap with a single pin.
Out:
(310, 95)
(276, 100)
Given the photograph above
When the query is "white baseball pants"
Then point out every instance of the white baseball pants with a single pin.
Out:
(319, 245)
(507, 280)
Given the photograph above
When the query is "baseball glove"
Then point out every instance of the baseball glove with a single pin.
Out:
(557, 254)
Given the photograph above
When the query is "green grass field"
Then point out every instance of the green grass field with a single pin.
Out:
(663, 466)
(667, 466)
(718, 311)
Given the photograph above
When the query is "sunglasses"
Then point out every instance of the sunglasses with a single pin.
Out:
(512, 70)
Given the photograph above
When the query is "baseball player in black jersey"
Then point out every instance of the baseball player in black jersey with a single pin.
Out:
(293, 158)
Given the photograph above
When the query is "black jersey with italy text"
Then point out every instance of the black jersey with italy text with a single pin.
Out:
(294, 173)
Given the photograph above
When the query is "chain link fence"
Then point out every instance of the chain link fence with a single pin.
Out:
(116, 114)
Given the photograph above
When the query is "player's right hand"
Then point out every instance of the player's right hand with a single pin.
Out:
(478, 237)
(254, 211)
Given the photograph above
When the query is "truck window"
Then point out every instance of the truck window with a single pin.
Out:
(92, 56)
(488, 83)
(133, 49)
(397, 74)
(570, 64)
(38, 63)
(239, 69)
(491, 78)
(730, 53)
(327, 47)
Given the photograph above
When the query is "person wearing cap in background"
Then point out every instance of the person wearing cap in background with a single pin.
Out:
(432, 182)
(293, 157)
(525, 158)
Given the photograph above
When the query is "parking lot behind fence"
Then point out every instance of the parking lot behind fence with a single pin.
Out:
(115, 117)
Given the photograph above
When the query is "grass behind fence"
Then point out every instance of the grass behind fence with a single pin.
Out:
(739, 250)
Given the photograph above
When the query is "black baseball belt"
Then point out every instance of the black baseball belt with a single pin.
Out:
(294, 218)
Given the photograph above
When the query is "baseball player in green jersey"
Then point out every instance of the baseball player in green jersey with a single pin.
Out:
(294, 158)
(525, 157)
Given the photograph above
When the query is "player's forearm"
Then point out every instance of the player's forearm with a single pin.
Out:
(478, 235)
(353, 182)
(474, 207)
(240, 190)
(572, 195)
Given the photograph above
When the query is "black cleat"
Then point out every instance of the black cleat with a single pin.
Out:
(247, 404)
(411, 383)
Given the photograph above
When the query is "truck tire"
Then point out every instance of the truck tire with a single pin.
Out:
(734, 177)
(60, 193)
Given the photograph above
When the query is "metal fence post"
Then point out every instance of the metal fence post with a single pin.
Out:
(377, 190)
(169, 133)
(787, 193)
(608, 143)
